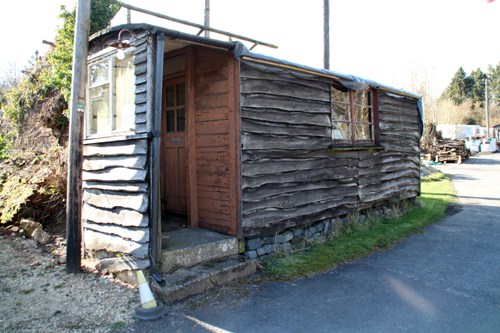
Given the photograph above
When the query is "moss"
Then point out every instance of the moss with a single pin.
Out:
(15, 193)
(355, 240)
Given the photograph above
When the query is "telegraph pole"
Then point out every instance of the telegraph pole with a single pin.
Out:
(207, 17)
(326, 34)
(487, 107)
(77, 107)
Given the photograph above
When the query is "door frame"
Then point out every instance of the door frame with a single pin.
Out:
(190, 131)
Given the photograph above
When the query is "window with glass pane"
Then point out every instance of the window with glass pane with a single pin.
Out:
(125, 95)
(111, 95)
(352, 116)
(176, 111)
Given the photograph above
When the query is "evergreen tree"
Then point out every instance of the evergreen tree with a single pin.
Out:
(477, 86)
(457, 91)
(494, 85)
(52, 76)
(61, 58)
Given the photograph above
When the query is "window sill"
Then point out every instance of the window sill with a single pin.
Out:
(334, 149)
(123, 136)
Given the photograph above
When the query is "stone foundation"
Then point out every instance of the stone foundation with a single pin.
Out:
(323, 230)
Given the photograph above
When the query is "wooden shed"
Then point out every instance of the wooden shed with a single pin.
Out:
(182, 127)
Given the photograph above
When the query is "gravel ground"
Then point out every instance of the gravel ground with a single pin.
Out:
(37, 295)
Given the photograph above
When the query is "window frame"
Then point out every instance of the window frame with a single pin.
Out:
(109, 56)
(374, 141)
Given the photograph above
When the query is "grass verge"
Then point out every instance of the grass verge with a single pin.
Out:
(358, 240)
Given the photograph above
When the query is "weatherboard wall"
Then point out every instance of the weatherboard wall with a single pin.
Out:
(291, 175)
(115, 177)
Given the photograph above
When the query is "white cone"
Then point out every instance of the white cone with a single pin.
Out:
(147, 298)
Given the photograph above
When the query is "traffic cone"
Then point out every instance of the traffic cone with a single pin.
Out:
(147, 298)
(149, 309)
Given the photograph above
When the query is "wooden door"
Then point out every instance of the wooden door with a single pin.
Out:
(174, 145)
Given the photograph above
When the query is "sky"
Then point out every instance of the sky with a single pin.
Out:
(394, 42)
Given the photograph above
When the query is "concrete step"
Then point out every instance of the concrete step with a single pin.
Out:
(187, 282)
(186, 248)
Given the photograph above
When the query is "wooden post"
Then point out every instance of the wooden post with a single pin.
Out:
(156, 152)
(77, 107)
(326, 34)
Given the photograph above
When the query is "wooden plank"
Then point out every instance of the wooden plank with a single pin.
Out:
(212, 101)
(212, 88)
(267, 217)
(116, 186)
(212, 140)
(213, 179)
(95, 240)
(141, 128)
(192, 129)
(101, 163)
(274, 166)
(115, 174)
(266, 192)
(253, 70)
(260, 127)
(112, 200)
(213, 75)
(266, 102)
(213, 167)
(382, 177)
(212, 114)
(135, 147)
(393, 184)
(390, 167)
(140, 78)
(140, 68)
(141, 88)
(284, 89)
(401, 147)
(208, 59)
(141, 118)
(347, 175)
(214, 205)
(392, 194)
(287, 117)
(141, 108)
(251, 141)
(299, 199)
(251, 155)
(141, 98)
(215, 218)
(212, 127)
(215, 193)
(139, 235)
(140, 58)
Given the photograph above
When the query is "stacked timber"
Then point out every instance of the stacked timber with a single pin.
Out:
(451, 151)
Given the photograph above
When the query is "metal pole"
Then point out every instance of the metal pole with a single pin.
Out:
(326, 34)
(199, 26)
(207, 17)
(77, 106)
(487, 108)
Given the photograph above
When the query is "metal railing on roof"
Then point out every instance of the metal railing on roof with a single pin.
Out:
(199, 26)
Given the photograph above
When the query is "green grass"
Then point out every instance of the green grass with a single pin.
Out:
(357, 240)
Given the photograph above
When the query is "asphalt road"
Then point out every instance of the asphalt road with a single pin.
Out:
(444, 280)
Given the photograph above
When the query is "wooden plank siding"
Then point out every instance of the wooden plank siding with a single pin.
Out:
(215, 111)
(290, 176)
(116, 180)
